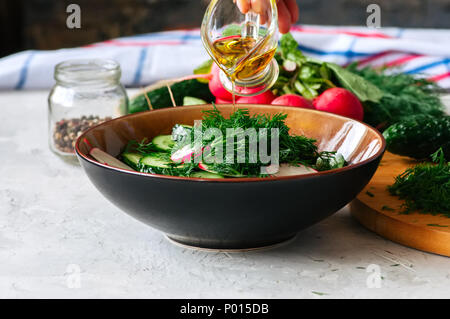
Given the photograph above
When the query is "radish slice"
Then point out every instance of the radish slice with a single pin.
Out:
(204, 167)
(289, 66)
(290, 170)
(107, 159)
(184, 154)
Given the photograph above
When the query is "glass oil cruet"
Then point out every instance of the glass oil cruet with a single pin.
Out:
(242, 45)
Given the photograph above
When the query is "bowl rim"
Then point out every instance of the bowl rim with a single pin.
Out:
(231, 180)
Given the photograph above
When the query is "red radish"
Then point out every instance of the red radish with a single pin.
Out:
(183, 155)
(216, 87)
(293, 100)
(244, 90)
(220, 101)
(264, 98)
(340, 101)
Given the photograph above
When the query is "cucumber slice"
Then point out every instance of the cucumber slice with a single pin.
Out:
(158, 160)
(206, 175)
(206, 168)
(163, 142)
(132, 159)
(189, 100)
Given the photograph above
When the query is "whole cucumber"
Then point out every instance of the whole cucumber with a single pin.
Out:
(160, 97)
(419, 136)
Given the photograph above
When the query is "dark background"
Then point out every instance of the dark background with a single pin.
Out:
(41, 24)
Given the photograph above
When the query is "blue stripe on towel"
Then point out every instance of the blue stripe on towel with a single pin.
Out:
(186, 36)
(140, 66)
(427, 66)
(24, 72)
(348, 53)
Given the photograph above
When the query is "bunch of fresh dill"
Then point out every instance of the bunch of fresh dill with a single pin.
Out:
(292, 149)
(425, 187)
(240, 154)
(404, 95)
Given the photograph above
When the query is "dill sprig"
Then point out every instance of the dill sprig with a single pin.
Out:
(425, 187)
(143, 147)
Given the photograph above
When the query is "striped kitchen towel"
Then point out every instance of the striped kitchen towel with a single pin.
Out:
(151, 57)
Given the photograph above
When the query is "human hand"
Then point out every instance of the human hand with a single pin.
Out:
(288, 12)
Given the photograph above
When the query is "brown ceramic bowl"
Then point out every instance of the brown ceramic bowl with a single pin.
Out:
(233, 213)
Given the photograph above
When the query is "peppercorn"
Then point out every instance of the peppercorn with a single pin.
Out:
(66, 131)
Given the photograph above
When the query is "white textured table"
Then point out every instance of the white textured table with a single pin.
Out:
(60, 238)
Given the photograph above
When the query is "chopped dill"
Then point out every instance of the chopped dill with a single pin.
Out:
(425, 187)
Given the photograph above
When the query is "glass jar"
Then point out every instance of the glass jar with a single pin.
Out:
(86, 93)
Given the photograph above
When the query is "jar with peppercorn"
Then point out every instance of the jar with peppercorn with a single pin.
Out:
(86, 93)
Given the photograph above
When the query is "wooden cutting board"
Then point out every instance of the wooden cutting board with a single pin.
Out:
(379, 211)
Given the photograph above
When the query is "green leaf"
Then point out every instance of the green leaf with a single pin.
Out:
(306, 72)
(315, 86)
(302, 89)
(204, 68)
(363, 89)
(189, 100)
(305, 90)
(288, 45)
(297, 57)
(287, 90)
(324, 71)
